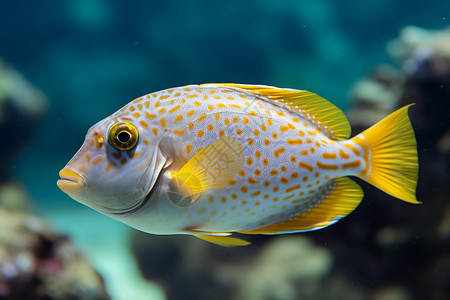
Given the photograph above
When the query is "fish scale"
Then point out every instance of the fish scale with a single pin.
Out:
(220, 158)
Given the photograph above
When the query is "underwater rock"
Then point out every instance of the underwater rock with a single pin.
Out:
(404, 243)
(13, 197)
(423, 54)
(424, 79)
(392, 293)
(36, 262)
(425, 59)
(374, 97)
(288, 268)
(186, 267)
(444, 225)
(21, 106)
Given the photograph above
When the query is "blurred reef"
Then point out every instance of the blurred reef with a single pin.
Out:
(35, 261)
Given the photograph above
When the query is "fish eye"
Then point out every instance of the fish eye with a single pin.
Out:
(123, 136)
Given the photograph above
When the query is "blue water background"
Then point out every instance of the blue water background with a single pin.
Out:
(91, 57)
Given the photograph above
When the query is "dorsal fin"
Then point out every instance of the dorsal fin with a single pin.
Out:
(341, 200)
(330, 119)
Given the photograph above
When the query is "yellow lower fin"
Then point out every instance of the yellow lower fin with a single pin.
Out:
(225, 241)
(392, 164)
(341, 200)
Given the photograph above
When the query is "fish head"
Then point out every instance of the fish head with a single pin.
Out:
(115, 168)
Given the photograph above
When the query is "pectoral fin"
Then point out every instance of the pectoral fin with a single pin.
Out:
(212, 167)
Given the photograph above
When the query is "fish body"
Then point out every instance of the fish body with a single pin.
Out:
(213, 159)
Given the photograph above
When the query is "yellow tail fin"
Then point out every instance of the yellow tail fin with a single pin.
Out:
(391, 155)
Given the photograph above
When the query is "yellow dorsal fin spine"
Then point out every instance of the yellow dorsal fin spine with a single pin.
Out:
(392, 155)
(330, 119)
(344, 195)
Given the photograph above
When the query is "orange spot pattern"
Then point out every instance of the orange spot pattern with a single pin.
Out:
(353, 164)
(327, 155)
(343, 155)
(326, 166)
(305, 166)
(278, 151)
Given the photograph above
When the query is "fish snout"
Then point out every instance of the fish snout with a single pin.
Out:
(70, 181)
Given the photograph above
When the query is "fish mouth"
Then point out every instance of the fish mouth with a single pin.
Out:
(70, 181)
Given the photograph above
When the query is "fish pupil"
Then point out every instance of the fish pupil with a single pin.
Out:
(123, 137)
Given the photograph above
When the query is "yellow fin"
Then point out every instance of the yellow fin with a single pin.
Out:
(212, 167)
(225, 241)
(332, 120)
(392, 161)
(343, 197)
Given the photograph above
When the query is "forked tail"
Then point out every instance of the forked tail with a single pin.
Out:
(391, 155)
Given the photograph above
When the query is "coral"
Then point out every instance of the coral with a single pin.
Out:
(424, 54)
(287, 268)
(36, 262)
(409, 238)
(375, 96)
(424, 78)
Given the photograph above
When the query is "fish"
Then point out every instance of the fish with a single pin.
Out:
(212, 160)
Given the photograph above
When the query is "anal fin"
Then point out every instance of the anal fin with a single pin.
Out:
(225, 241)
(219, 238)
(341, 200)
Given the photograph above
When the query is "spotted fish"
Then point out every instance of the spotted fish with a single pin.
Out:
(213, 159)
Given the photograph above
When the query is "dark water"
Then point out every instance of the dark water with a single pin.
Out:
(91, 57)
